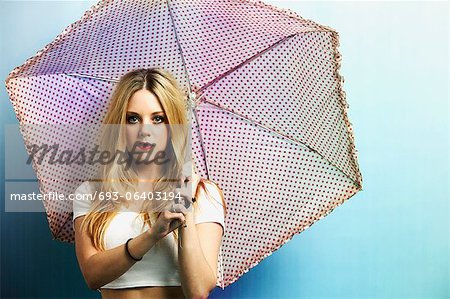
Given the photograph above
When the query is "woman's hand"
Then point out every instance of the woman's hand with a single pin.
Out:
(186, 190)
(175, 216)
(189, 179)
(181, 207)
(166, 222)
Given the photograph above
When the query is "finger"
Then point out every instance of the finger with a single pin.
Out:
(187, 180)
(177, 216)
(175, 224)
(179, 196)
(174, 208)
(176, 191)
(180, 192)
(187, 189)
(181, 208)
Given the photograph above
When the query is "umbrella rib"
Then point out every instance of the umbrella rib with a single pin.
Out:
(201, 142)
(93, 77)
(254, 122)
(281, 134)
(191, 111)
(218, 78)
(179, 46)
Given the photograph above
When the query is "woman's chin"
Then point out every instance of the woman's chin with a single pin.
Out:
(143, 157)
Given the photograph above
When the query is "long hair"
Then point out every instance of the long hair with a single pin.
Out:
(115, 177)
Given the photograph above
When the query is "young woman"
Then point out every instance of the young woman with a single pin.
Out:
(148, 248)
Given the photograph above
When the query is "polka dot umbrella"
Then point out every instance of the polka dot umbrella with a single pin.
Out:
(269, 116)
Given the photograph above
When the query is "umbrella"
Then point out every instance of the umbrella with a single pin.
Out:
(269, 115)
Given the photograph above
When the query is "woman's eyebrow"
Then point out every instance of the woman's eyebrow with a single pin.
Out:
(131, 112)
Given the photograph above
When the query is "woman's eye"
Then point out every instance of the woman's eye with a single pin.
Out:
(132, 119)
(159, 119)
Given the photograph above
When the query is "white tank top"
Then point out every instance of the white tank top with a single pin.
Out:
(159, 266)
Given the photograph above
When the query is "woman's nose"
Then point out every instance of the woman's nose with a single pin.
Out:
(145, 130)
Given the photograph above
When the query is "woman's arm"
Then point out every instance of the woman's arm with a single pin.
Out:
(198, 256)
(102, 267)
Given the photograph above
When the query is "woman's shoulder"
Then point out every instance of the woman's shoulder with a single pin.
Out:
(210, 205)
(212, 191)
(85, 187)
(81, 203)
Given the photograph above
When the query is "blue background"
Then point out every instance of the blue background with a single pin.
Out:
(389, 241)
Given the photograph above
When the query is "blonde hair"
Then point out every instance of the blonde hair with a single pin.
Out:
(114, 177)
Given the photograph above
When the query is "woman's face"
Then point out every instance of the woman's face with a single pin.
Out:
(146, 126)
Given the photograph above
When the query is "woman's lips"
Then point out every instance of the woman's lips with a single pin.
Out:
(144, 146)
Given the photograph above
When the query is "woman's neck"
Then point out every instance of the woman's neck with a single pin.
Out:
(148, 173)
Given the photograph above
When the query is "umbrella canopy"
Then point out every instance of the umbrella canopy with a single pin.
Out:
(269, 121)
